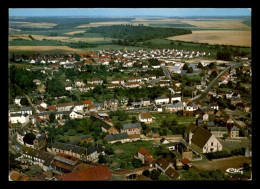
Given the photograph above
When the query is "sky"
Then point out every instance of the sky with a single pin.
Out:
(128, 12)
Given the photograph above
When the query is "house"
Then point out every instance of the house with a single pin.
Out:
(92, 153)
(163, 83)
(68, 87)
(98, 173)
(112, 86)
(26, 110)
(65, 106)
(146, 102)
(59, 114)
(40, 141)
(145, 156)
(86, 88)
(218, 131)
(95, 81)
(174, 107)
(68, 149)
(234, 132)
(36, 157)
(163, 165)
(131, 128)
(172, 173)
(79, 83)
(118, 81)
(206, 141)
(19, 118)
(76, 115)
(145, 117)
(120, 137)
(99, 106)
(17, 100)
(42, 104)
(132, 84)
(63, 163)
(112, 103)
(162, 100)
(52, 108)
(176, 97)
(19, 136)
(78, 106)
(134, 79)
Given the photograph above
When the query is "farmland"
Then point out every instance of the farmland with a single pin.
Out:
(221, 31)
(238, 38)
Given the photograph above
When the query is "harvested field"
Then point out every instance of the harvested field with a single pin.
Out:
(74, 32)
(86, 39)
(44, 48)
(222, 164)
(41, 37)
(22, 36)
(217, 23)
(237, 38)
(41, 24)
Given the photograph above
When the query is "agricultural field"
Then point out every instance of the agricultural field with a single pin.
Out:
(237, 38)
(46, 49)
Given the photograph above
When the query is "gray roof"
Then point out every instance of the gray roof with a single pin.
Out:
(211, 123)
(119, 136)
(132, 126)
(63, 112)
(218, 129)
(234, 129)
(16, 115)
(174, 105)
(85, 136)
(98, 104)
(26, 108)
(93, 149)
(163, 97)
(68, 147)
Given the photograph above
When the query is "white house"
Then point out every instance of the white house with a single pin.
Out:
(19, 118)
(205, 140)
(17, 100)
(32, 61)
(75, 115)
(162, 100)
(145, 117)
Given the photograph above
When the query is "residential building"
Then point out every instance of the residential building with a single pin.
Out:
(131, 128)
(145, 117)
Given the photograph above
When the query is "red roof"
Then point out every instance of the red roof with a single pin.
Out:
(143, 151)
(98, 173)
(53, 107)
(87, 102)
(15, 176)
(185, 161)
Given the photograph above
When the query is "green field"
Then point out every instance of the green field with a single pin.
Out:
(125, 152)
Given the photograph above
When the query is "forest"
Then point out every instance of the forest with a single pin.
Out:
(136, 33)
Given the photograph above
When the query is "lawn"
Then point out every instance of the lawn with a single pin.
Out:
(159, 117)
(125, 152)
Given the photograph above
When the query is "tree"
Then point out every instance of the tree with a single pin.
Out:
(24, 102)
(134, 119)
(52, 117)
(101, 159)
(155, 174)
(200, 65)
(146, 173)
(225, 136)
(28, 138)
(185, 66)
(118, 125)
(137, 163)
(190, 70)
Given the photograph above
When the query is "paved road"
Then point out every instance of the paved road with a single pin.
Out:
(211, 84)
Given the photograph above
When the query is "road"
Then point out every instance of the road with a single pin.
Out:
(212, 84)
(166, 72)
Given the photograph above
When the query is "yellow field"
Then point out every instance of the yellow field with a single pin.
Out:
(41, 37)
(23, 36)
(221, 37)
(40, 24)
(218, 24)
(74, 32)
(43, 48)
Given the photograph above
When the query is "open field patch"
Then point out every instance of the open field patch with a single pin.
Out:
(237, 38)
(41, 37)
(19, 36)
(74, 32)
(218, 23)
(35, 25)
(222, 164)
(44, 48)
